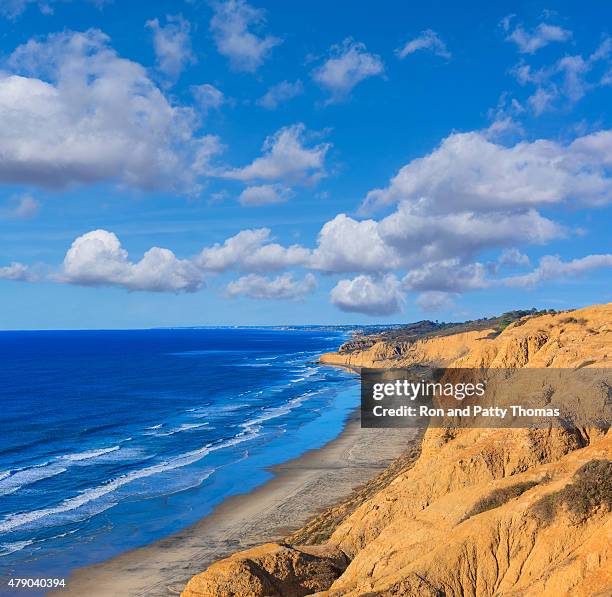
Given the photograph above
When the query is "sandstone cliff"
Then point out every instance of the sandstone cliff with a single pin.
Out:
(481, 511)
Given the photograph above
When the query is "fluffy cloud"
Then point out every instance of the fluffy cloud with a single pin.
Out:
(434, 300)
(513, 257)
(552, 267)
(529, 42)
(468, 196)
(349, 64)
(98, 259)
(436, 247)
(208, 97)
(596, 147)
(83, 114)
(283, 287)
(371, 296)
(468, 171)
(280, 93)
(423, 239)
(230, 26)
(566, 81)
(266, 194)
(348, 245)
(543, 100)
(251, 250)
(438, 251)
(285, 157)
(448, 276)
(17, 272)
(172, 43)
(427, 40)
(22, 207)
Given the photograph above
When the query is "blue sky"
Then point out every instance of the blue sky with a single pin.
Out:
(202, 163)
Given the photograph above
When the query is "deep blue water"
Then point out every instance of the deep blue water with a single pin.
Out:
(112, 439)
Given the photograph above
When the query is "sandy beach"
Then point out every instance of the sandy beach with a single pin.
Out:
(300, 489)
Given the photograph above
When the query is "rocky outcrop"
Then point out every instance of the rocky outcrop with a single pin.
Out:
(437, 351)
(482, 512)
(270, 570)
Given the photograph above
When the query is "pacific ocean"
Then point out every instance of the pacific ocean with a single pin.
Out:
(112, 439)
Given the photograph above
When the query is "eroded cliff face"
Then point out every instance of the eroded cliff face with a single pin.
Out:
(439, 351)
(482, 511)
(566, 340)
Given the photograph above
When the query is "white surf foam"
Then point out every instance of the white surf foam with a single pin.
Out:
(88, 454)
(9, 548)
(21, 519)
(183, 427)
(16, 479)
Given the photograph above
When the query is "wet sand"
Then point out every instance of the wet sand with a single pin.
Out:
(300, 489)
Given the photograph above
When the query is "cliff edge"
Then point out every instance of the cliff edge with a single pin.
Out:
(480, 512)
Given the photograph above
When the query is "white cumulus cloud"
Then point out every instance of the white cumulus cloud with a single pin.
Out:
(98, 259)
(349, 64)
(208, 97)
(73, 111)
(469, 171)
(348, 245)
(369, 295)
(283, 287)
(172, 43)
(420, 238)
(285, 157)
(529, 42)
(266, 194)
(449, 276)
(251, 250)
(567, 80)
(231, 26)
(17, 272)
(513, 257)
(280, 93)
(435, 300)
(552, 267)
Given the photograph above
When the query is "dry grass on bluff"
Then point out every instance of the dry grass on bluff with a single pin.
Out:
(499, 497)
(590, 489)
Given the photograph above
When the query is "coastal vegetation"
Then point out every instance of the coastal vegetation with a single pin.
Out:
(499, 497)
(590, 489)
(430, 329)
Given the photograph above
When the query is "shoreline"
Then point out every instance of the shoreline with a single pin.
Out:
(301, 489)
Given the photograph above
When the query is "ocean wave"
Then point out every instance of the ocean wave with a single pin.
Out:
(9, 548)
(14, 480)
(21, 519)
(88, 454)
(181, 428)
(277, 411)
(247, 365)
(226, 408)
(15, 546)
